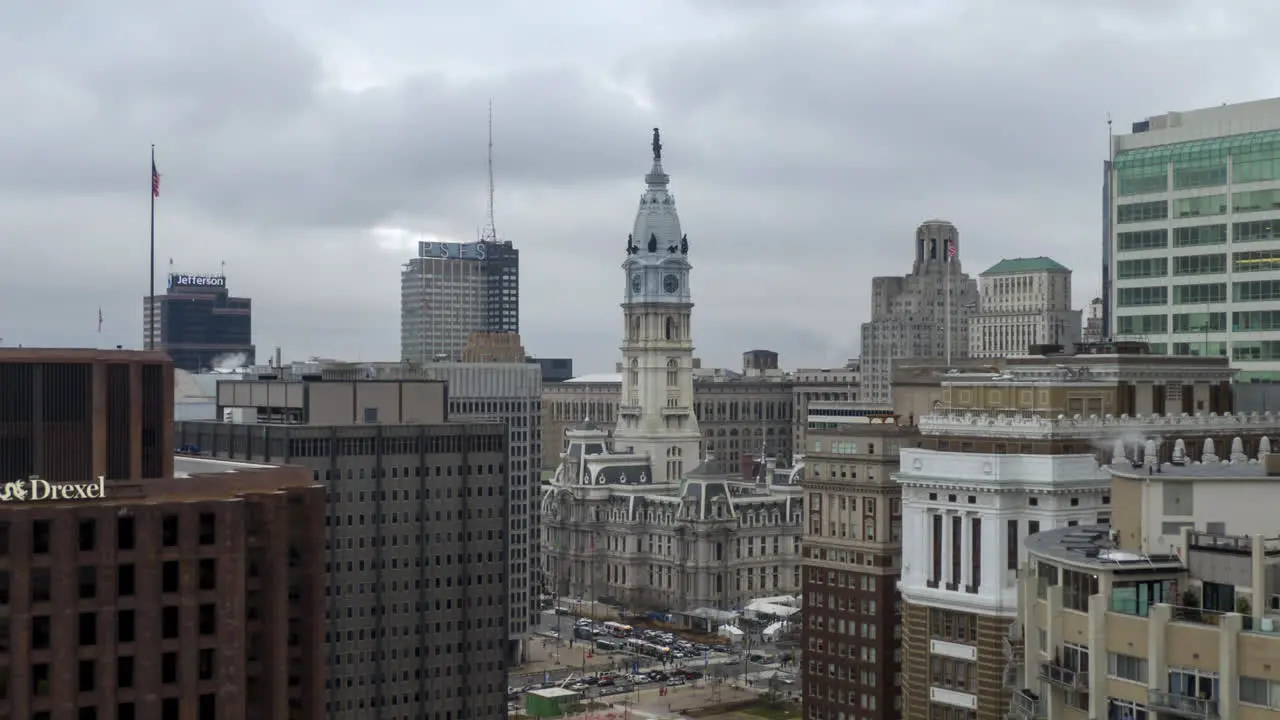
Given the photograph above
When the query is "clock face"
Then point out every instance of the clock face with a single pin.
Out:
(671, 283)
(635, 284)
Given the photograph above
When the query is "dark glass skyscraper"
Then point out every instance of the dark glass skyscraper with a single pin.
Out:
(200, 324)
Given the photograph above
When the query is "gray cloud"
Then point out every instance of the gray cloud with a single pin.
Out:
(805, 142)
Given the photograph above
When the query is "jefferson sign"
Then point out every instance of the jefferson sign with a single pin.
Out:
(215, 281)
(35, 489)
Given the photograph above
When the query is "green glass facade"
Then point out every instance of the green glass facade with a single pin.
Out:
(1252, 157)
(1210, 248)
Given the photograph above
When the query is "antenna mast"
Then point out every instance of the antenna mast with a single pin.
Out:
(490, 230)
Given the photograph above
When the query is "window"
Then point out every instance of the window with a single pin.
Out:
(169, 530)
(125, 536)
(1256, 320)
(169, 668)
(1255, 201)
(88, 629)
(1256, 290)
(1143, 211)
(1011, 545)
(1255, 231)
(41, 531)
(88, 675)
(1141, 324)
(1142, 268)
(1138, 296)
(125, 626)
(1142, 240)
(87, 580)
(1200, 206)
(1200, 265)
(1127, 667)
(1201, 294)
(169, 625)
(208, 619)
(41, 584)
(1077, 587)
(170, 576)
(1199, 322)
(208, 574)
(371, 416)
(953, 626)
(124, 671)
(1259, 691)
(124, 580)
(208, 528)
(87, 538)
(1200, 235)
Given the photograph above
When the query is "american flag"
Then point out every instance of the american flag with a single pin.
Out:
(951, 247)
(155, 180)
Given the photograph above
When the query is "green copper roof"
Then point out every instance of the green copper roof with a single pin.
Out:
(1022, 265)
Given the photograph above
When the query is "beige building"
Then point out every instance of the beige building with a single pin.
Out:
(1023, 302)
(1171, 610)
(851, 562)
(821, 385)
(1004, 456)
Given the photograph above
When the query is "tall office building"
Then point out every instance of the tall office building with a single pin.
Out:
(199, 323)
(166, 588)
(1195, 199)
(851, 563)
(1024, 302)
(909, 313)
(416, 608)
(511, 393)
(452, 290)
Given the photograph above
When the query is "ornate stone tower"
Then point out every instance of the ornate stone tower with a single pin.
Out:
(656, 415)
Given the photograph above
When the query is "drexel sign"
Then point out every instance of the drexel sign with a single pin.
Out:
(37, 489)
(214, 281)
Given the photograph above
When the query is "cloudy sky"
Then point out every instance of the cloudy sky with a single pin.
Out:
(309, 143)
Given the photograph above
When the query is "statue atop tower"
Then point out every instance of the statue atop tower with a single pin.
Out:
(657, 145)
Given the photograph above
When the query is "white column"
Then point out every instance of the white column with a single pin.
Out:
(966, 551)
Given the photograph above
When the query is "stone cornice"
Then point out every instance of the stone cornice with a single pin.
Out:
(1094, 427)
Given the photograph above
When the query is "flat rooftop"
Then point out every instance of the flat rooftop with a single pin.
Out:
(1224, 470)
(554, 692)
(1092, 545)
(184, 466)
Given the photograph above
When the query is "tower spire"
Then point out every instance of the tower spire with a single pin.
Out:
(491, 229)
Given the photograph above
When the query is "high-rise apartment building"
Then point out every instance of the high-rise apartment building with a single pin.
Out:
(417, 613)
(1194, 209)
(851, 562)
(1170, 610)
(1004, 457)
(452, 290)
(165, 588)
(909, 314)
(200, 324)
(1023, 302)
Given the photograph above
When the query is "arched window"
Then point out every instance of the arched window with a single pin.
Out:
(673, 372)
(671, 332)
(635, 372)
(635, 328)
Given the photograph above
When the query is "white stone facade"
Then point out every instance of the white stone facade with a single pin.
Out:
(1024, 302)
(976, 496)
(909, 313)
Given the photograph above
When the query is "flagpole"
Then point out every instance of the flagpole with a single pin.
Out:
(151, 298)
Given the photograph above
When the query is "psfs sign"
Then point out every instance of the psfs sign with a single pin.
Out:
(36, 489)
(453, 251)
(211, 281)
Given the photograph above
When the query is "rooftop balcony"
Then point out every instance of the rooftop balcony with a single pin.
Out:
(1182, 706)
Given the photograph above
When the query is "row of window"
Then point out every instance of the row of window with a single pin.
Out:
(1215, 264)
(42, 533)
(1200, 322)
(1241, 202)
(1197, 235)
(1199, 294)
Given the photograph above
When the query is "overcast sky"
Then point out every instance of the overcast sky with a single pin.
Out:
(309, 143)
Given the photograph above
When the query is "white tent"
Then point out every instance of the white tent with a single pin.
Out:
(732, 633)
(772, 632)
(757, 608)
